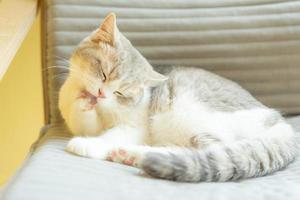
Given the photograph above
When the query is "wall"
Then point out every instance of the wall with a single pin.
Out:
(21, 104)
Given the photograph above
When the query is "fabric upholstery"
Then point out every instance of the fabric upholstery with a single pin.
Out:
(254, 42)
(53, 174)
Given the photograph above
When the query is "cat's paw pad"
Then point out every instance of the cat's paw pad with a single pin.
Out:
(121, 155)
(87, 101)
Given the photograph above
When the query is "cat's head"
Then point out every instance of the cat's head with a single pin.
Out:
(108, 66)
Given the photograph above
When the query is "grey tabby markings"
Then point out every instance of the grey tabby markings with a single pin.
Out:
(244, 159)
(204, 165)
(217, 92)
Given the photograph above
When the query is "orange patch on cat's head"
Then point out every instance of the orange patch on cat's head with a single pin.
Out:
(107, 31)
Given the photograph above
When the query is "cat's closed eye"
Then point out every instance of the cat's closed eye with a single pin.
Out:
(125, 99)
(118, 93)
(104, 76)
(100, 70)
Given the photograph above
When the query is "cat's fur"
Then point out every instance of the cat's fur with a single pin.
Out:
(186, 125)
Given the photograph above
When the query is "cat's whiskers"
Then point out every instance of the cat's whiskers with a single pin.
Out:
(63, 59)
(81, 76)
(61, 74)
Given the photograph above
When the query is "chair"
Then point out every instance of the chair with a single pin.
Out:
(254, 42)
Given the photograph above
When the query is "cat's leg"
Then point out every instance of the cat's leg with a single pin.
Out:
(99, 146)
(83, 119)
(78, 108)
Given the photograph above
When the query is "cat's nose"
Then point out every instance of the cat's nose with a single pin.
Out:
(101, 93)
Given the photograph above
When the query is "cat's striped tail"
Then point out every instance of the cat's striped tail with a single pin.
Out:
(243, 159)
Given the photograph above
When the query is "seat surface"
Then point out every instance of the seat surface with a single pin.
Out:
(52, 173)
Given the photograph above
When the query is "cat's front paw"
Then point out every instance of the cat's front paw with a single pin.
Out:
(87, 147)
(85, 105)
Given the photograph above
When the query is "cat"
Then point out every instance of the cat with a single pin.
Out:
(187, 124)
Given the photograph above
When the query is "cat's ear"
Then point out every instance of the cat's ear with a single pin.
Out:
(154, 78)
(108, 30)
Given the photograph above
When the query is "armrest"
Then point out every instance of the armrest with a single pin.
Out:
(16, 18)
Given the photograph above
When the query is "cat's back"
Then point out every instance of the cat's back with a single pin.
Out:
(199, 85)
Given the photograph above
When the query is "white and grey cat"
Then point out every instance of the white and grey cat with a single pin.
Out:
(186, 125)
